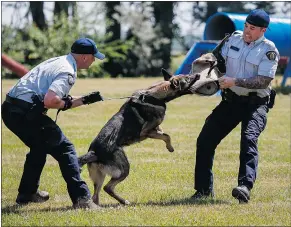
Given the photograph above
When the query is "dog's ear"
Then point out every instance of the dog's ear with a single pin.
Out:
(166, 75)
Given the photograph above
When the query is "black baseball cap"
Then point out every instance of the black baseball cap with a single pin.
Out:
(86, 46)
(259, 18)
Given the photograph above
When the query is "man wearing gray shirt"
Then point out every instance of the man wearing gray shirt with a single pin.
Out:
(47, 86)
(251, 62)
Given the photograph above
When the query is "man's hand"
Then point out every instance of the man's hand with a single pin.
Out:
(92, 98)
(226, 82)
(68, 102)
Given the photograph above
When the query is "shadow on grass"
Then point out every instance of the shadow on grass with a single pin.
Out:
(175, 202)
(286, 90)
(117, 205)
(11, 209)
(186, 201)
(16, 209)
(52, 209)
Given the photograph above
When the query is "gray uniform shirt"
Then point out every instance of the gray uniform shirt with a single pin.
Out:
(244, 61)
(57, 74)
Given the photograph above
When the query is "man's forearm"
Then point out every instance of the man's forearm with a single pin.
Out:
(53, 101)
(77, 101)
(256, 82)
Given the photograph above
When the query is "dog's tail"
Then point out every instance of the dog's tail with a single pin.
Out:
(87, 158)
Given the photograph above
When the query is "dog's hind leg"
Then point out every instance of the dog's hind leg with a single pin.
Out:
(119, 172)
(97, 176)
(109, 188)
(158, 133)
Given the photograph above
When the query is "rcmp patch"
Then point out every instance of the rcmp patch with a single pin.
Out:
(71, 79)
(271, 55)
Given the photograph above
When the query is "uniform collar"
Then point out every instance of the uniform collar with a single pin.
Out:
(72, 61)
(259, 40)
(256, 42)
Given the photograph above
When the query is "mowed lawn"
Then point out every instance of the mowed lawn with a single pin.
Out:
(160, 183)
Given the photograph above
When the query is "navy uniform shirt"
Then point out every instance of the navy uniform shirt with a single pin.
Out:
(244, 61)
(57, 74)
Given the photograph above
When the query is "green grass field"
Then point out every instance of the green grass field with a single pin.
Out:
(160, 183)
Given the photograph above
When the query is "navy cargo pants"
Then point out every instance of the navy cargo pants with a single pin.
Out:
(43, 136)
(223, 119)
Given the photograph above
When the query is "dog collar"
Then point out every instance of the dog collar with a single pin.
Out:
(150, 99)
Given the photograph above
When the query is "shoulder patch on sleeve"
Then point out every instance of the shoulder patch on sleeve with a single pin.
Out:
(271, 55)
(71, 79)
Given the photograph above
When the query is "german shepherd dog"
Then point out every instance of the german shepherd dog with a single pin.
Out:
(138, 119)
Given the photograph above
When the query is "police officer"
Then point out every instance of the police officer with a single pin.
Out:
(251, 61)
(47, 86)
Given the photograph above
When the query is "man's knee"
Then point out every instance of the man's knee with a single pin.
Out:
(68, 147)
(63, 150)
(201, 141)
(36, 158)
(205, 142)
(249, 140)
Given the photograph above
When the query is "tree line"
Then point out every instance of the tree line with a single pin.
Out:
(142, 51)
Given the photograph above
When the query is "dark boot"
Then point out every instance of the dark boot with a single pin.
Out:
(38, 197)
(200, 195)
(84, 203)
(242, 193)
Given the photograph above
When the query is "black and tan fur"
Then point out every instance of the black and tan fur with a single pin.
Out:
(138, 119)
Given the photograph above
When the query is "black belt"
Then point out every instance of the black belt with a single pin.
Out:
(18, 102)
(252, 98)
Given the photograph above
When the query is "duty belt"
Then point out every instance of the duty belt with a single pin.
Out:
(252, 98)
(18, 102)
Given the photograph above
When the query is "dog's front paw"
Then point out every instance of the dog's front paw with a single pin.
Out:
(126, 202)
(170, 148)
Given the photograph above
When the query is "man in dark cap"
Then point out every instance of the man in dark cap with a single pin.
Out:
(251, 62)
(44, 87)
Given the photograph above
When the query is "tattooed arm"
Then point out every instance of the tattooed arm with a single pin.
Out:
(256, 82)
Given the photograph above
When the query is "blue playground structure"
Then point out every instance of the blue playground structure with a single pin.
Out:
(222, 23)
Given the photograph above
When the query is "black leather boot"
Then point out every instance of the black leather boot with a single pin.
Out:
(242, 193)
(38, 197)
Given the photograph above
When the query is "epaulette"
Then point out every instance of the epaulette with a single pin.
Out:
(269, 43)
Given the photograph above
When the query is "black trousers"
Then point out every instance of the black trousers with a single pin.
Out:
(223, 119)
(43, 136)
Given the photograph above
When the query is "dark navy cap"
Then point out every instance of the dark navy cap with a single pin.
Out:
(86, 46)
(259, 18)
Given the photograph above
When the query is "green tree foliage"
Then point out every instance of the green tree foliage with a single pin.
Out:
(150, 31)
(30, 45)
(36, 9)
(64, 8)
(136, 16)
(203, 10)
(113, 30)
(286, 9)
(163, 26)
(267, 6)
